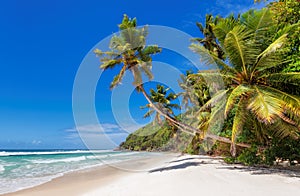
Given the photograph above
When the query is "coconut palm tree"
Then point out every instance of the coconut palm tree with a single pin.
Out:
(209, 41)
(188, 94)
(249, 72)
(163, 101)
(129, 50)
(194, 95)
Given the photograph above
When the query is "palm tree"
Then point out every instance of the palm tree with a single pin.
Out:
(249, 72)
(188, 94)
(129, 50)
(194, 95)
(209, 41)
(163, 101)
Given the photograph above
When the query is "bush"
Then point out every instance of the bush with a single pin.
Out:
(284, 149)
(249, 156)
(230, 160)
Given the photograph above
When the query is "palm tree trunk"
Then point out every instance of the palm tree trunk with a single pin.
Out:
(187, 128)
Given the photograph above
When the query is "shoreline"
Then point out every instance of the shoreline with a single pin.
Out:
(91, 178)
(171, 174)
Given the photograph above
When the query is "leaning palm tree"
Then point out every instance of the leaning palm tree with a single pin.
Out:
(129, 50)
(163, 101)
(249, 73)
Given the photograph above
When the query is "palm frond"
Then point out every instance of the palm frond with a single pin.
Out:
(218, 97)
(171, 96)
(223, 27)
(175, 106)
(215, 76)
(210, 59)
(117, 43)
(148, 114)
(238, 123)
(216, 119)
(287, 29)
(281, 129)
(136, 76)
(110, 64)
(270, 57)
(284, 78)
(259, 22)
(152, 49)
(288, 102)
(200, 26)
(146, 68)
(236, 47)
(118, 78)
(108, 55)
(235, 95)
(265, 106)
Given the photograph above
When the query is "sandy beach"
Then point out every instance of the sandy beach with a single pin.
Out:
(171, 174)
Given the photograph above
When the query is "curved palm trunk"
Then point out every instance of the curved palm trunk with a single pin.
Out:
(187, 128)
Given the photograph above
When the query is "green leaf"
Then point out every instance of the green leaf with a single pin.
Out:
(118, 78)
(270, 57)
(236, 46)
(236, 95)
(238, 123)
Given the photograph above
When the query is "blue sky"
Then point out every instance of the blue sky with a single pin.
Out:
(42, 44)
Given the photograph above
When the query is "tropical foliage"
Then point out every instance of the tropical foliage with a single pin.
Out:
(163, 102)
(129, 50)
(257, 56)
(253, 52)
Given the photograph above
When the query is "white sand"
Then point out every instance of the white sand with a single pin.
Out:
(201, 175)
(174, 175)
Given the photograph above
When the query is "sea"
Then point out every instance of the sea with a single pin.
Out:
(21, 169)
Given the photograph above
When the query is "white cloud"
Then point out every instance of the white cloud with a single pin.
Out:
(36, 142)
(97, 129)
(102, 136)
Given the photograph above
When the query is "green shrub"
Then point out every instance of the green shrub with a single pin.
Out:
(249, 156)
(230, 160)
(287, 148)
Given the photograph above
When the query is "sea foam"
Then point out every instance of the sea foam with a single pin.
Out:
(26, 169)
(5, 153)
(66, 160)
(2, 169)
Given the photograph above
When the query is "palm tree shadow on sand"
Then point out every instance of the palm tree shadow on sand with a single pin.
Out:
(220, 165)
(179, 166)
(188, 162)
(287, 172)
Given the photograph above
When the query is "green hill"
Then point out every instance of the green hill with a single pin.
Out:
(163, 138)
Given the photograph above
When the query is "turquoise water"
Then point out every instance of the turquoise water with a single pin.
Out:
(24, 169)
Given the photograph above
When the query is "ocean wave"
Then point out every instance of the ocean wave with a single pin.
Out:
(113, 155)
(32, 171)
(66, 160)
(8, 153)
(124, 154)
(2, 169)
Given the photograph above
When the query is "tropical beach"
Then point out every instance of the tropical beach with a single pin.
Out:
(172, 174)
(106, 98)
